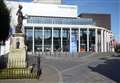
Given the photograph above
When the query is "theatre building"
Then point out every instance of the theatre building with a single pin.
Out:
(57, 28)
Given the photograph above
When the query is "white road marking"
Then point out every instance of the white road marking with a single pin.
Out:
(59, 74)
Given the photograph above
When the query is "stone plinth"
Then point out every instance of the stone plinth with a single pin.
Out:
(17, 56)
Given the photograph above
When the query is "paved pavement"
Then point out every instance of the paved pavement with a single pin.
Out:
(77, 71)
(88, 69)
(49, 75)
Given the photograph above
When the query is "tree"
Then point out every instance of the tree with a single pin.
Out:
(4, 21)
(117, 48)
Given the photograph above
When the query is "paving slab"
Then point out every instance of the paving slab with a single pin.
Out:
(49, 75)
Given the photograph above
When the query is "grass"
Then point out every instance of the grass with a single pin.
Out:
(17, 73)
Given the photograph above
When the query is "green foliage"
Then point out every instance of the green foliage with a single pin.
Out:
(4, 21)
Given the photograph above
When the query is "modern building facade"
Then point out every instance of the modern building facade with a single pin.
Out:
(102, 20)
(56, 28)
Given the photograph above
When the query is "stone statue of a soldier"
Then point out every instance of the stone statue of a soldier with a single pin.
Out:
(19, 19)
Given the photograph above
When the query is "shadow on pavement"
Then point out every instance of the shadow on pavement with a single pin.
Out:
(110, 69)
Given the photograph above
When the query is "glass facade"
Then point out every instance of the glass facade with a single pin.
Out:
(74, 40)
(29, 38)
(57, 39)
(83, 40)
(66, 39)
(92, 40)
(38, 38)
(52, 39)
(47, 39)
(99, 40)
(56, 20)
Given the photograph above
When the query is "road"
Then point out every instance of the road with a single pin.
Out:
(90, 69)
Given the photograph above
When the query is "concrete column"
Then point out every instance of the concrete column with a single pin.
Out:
(106, 41)
(33, 46)
(42, 39)
(52, 41)
(79, 40)
(109, 42)
(87, 39)
(70, 38)
(102, 40)
(96, 40)
(105, 38)
(61, 40)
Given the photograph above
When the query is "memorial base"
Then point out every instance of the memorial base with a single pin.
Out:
(17, 56)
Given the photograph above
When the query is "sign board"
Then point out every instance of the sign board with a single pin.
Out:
(73, 43)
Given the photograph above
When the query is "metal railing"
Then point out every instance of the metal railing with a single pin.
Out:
(59, 54)
(68, 54)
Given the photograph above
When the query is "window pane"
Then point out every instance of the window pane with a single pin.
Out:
(83, 40)
(29, 38)
(61, 20)
(91, 39)
(74, 41)
(66, 40)
(38, 39)
(99, 40)
(57, 39)
(47, 39)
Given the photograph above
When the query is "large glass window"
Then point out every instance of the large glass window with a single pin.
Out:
(38, 39)
(61, 20)
(66, 40)
(83, 40)
(74, 40)
(47, 39)
(57, 39)
(29, 38)
(99, 40)
(91, 39)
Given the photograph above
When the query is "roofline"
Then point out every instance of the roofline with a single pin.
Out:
(94, 14)
(20, 2)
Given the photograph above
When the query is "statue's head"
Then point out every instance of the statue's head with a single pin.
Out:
(20, 7)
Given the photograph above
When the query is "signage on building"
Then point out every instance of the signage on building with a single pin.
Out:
(73, 43)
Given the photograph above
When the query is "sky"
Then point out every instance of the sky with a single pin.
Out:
(99, 6)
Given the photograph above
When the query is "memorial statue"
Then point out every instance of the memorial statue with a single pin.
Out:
(19, 19)
(18, 52)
